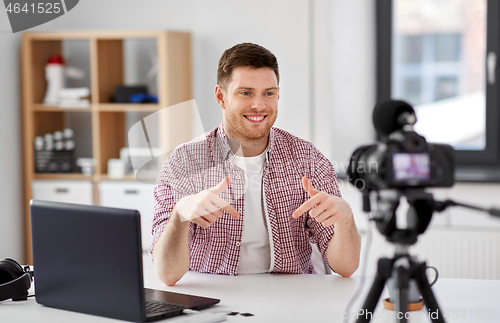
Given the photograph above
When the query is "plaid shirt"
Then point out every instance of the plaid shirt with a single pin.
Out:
(206, 160)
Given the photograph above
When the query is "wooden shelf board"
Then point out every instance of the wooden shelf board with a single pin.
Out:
(104, 107)
(95, 177)
(124, 107)
(53, 108)
(108, 34)
(62, 176)
(104, 177)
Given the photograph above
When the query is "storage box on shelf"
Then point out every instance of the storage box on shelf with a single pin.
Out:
(103, 125)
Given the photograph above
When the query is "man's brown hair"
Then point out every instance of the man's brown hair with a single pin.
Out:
(245, 54)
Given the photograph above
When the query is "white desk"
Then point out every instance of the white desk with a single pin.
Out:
(287, 298)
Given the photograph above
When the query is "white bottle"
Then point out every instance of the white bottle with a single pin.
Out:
(54, 73)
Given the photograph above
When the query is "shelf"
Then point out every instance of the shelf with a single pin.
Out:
(52, 108)
(104, 107)
(95, 177)
(108, 34)
(109, 59)
(129, 178)
(128, 107)
(62, 176)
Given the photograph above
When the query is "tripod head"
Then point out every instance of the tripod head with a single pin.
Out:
(384, 204)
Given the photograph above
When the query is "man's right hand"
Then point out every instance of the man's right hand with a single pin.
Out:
(205, 207)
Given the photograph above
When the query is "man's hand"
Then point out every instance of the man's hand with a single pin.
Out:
(327, 209)
(205, 207)
(344, 246)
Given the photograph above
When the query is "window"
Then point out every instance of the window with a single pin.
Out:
(425, 70)
(440, 56)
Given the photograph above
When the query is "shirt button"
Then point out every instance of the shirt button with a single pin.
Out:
(238, 176)
(240, 210)
(238, 243)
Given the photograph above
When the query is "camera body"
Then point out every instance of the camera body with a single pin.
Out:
(402, 159)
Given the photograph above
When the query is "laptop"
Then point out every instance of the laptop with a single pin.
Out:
(88, 259)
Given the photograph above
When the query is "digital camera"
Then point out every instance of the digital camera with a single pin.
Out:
(402, 158)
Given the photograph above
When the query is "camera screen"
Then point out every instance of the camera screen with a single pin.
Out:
(408, 166)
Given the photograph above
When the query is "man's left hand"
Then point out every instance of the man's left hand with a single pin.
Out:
(325, 208)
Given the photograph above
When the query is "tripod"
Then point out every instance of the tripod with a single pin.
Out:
(402, 267)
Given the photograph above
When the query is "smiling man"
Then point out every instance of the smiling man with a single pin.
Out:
(246, 197)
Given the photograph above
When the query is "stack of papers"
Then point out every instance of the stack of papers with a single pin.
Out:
(74, 97)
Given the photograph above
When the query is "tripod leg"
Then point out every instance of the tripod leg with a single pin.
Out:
(401, 298)
(430, 301)
(384, 269)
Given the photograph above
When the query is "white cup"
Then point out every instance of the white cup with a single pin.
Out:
(116, 168)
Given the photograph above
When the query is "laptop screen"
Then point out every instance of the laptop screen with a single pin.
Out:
(88, 259)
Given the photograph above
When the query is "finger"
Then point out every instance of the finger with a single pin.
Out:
(306, 183)
(210, 207)
(219, 188)
(210, 218)
(325, 215)
(198, 211)
(215, 199)
(307, 205)
(205, 220)
(318, 210)
(232, 211)
(330, 221)
(327, 205)
(202, 222)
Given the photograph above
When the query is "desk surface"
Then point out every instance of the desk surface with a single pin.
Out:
(288, 298)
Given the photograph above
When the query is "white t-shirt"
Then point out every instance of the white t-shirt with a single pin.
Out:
(255, 254)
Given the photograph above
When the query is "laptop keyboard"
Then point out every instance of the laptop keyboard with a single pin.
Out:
(156, 307)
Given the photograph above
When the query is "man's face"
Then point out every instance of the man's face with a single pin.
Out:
(249, 102)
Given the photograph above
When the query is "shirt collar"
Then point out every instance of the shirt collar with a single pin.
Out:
(222, 141)
(271, 143)
(225, 149)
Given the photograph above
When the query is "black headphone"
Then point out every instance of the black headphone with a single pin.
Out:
(14, 280)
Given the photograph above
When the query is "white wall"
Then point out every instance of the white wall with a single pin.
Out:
(352, 90)
(281, 26)
(10, 146)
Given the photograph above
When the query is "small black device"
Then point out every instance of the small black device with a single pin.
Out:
(122, 93)
(88, 259)
(403, 158)
(14, 280)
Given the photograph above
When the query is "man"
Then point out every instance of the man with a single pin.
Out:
(247, 197)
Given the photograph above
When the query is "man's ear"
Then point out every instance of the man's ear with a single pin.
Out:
(219, 96)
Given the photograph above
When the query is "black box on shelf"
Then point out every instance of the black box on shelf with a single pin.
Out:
(122, 93)
(54, 161)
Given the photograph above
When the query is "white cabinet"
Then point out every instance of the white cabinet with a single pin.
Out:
(131, 195)
(79, 192)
